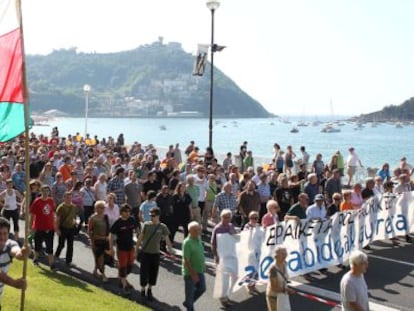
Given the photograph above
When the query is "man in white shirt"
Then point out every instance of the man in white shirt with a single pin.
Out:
(352, 162)
(354, 289)
(317, 210)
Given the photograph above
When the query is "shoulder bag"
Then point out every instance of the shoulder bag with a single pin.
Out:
(139, 253)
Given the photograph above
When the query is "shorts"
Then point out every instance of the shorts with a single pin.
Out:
(125, 262)
(100, 246)
(351, 170)
(47, 237)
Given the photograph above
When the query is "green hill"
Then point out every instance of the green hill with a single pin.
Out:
(152, 80)
(402, 112)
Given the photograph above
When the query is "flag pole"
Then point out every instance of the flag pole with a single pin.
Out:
(26, 150)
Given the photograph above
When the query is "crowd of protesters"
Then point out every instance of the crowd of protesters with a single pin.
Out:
(111, 192)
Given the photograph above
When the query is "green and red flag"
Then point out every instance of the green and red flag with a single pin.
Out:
(12, 88)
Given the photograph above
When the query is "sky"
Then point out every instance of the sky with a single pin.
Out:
(296, 57)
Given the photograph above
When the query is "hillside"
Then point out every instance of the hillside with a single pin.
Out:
(402, 112)
(152, 80)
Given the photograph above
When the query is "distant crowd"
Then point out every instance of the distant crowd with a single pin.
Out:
(110, 192)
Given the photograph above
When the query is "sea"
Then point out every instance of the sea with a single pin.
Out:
(374, 143)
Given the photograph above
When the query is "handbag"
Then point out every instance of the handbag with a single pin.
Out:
(139, 253)
(108, 259)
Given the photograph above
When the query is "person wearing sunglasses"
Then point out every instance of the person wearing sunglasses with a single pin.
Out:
(150, 237)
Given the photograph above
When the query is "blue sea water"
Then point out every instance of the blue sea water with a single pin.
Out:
(375, 145)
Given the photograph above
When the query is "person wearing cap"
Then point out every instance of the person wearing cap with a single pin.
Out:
(352, 162)
(43, 212)
(317, 211)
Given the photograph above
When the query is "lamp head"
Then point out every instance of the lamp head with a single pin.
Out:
(213, 4)
(86, 88)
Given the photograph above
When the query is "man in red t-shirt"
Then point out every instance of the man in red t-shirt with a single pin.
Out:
(42, 210)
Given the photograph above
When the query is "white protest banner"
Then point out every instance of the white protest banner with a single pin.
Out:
(315, 244)
(227, 268)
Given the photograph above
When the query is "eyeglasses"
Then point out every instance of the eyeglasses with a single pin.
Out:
(153, 215)
(254, 218)
(337, 199)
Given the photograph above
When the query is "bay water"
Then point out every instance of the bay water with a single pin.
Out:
(374, 145)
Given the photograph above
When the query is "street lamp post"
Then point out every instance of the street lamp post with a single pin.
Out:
(212, 5)
(86, 89)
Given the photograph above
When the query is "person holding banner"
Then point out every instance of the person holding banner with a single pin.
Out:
(277, 291)
(224, 266)
(298, 210)
(354, 289)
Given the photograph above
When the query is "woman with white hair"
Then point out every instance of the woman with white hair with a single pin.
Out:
(354, 289)
(225, 265)
(277, 292)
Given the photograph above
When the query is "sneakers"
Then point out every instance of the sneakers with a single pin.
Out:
(35, 261)
(149, 295)
(53, 267)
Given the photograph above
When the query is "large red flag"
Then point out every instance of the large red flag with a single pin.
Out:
(12, 122)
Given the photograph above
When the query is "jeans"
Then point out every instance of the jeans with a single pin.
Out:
(193, 291)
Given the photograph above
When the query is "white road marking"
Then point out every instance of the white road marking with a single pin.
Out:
(392, 260)
(330, 295)
(320, 292)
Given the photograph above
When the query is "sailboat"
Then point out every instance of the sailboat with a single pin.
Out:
(330, 127)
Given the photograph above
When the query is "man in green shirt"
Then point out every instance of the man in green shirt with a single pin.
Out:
(298, 211)
(65, 226)
(193, 266)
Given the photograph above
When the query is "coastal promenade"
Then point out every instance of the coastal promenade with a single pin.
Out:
(390, 279)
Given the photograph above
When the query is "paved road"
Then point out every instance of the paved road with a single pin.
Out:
(390, 278)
